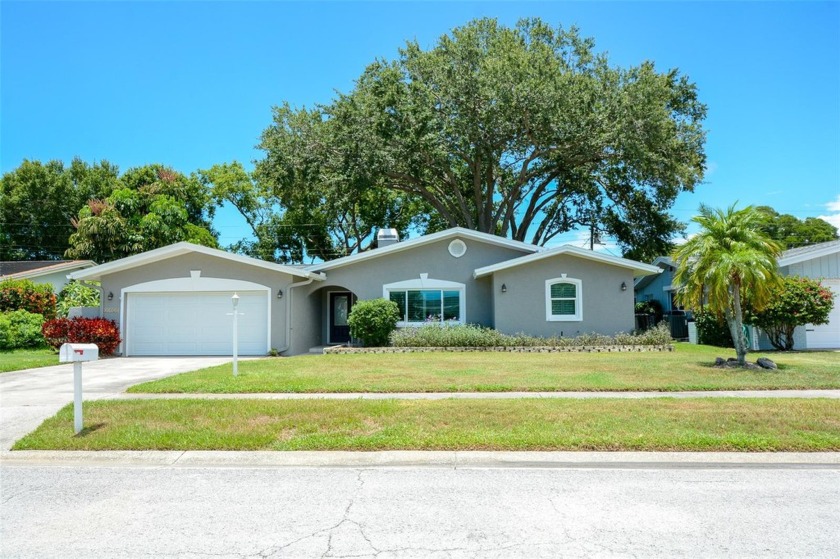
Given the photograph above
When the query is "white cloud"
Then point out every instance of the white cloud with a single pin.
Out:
(834, 217)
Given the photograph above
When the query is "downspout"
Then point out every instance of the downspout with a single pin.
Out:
(289, 289)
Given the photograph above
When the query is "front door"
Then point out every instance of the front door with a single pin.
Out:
(340, 305)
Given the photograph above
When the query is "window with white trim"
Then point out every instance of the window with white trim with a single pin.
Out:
(425, 301)
(563, 299)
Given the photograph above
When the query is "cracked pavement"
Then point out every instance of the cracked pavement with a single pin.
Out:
(399, 512)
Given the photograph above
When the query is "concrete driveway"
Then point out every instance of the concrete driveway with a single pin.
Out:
(30, 396)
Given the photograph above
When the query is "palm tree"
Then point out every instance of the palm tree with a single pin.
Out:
(730, 263)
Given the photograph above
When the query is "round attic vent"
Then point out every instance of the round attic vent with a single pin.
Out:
(457, 248)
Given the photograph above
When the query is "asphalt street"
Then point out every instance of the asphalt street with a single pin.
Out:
(646, 511)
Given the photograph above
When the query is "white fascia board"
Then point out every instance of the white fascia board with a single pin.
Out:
(178, 249)
(797, 258)
(638, 268)
(424, 240)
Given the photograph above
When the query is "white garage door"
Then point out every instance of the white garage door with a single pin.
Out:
(826, 336)
(195, 323)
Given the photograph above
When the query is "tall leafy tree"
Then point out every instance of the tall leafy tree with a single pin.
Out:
(793, 232)
(39, 200)
(524, 132)
(730, 264)
(155, 206)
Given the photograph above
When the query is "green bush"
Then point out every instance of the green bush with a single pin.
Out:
(75, 294)
(372, 321)
(25, 295)
(471, 335)
(712, 330)
(20, 329)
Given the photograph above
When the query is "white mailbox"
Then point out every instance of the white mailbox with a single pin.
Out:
(72, 353)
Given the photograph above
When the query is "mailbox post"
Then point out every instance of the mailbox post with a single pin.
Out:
(77, 354)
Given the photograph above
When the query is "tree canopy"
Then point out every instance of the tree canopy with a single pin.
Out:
(38, 201)
(730, 265)
(153, 207)
(793, 232)
(524, 132)
(796, 301)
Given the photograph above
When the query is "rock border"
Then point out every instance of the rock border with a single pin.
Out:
(505, 349)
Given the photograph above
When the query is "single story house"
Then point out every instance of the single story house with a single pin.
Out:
(176, 300)
(53, 272)
(819, 261)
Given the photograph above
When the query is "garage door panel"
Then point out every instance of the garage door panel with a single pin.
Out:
(195, 323)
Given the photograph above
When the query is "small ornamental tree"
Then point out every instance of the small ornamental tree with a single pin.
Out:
(797, 301)
(372, 321)
(76, 294)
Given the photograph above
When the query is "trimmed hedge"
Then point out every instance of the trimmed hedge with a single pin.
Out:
(372, 321)
(100, 331)
(25, 295)
(20, 329)
(471, 335)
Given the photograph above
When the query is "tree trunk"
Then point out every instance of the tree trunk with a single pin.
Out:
(735, 320)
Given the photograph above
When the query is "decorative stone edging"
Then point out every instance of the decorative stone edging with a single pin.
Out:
(508, 349)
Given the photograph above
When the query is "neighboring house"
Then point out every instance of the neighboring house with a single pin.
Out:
(820, 261)
(658, 287)
(176, 300)
(53, 272)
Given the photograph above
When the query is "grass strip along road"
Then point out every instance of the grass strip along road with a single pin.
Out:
(687, 368)
(665, 424)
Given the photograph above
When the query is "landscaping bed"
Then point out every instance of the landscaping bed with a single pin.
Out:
(662, 424)
(507, 349)
(688, 367)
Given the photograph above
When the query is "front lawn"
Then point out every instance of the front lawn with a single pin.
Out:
(702, 424)
(686, 368)
(17, 359)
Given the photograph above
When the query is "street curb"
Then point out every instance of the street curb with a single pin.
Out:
(423, 459)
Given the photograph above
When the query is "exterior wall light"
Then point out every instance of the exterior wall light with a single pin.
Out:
(504, 288)
(110, 295)
(624, 286)
(279, 293)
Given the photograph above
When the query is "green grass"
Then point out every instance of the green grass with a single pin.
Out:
(702, 424)
(18, 359)
(687, 368)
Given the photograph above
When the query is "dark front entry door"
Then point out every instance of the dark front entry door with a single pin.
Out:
(340, 305)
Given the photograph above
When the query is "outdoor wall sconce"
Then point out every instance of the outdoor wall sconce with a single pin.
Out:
(110, 295)
(504, 288)
(624, 286)
(279, 293)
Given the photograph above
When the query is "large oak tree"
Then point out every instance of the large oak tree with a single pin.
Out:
(524, 132)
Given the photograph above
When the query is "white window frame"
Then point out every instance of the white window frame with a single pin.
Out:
(425, 283)
(578, 316)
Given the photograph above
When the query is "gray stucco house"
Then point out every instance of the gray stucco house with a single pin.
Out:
(176, 300)
(819, 261)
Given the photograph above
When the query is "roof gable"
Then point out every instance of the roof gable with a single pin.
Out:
(637, 267)
(425, 240)
(179, 249)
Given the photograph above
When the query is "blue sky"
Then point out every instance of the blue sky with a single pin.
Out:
(191, 84)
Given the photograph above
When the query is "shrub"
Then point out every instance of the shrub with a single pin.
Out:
(471, 335)
(712, 330)
(17, 295)
(372, 321)
(75, 294)
(100, 331)
(797, 301)
(20, 329)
